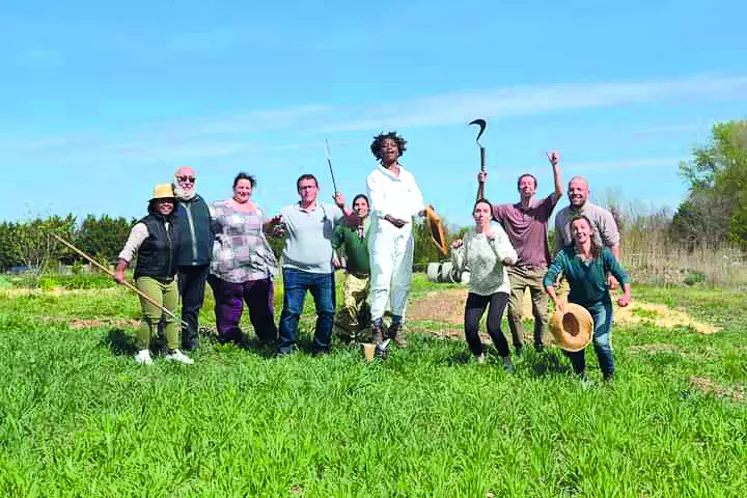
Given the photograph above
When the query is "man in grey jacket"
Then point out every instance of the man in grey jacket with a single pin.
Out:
(193, 226)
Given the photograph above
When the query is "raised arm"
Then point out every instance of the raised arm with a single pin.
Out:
(554, 158)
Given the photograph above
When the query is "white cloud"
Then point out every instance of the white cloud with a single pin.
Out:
(457, 108)
(302, 125)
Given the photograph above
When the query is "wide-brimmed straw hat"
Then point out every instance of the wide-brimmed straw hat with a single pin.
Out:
(573, 328)
(438, 234)
(162, 191)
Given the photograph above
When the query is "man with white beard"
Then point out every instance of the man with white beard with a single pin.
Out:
(395, 200)
(193, 224)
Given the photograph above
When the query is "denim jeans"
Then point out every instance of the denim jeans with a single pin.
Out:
(295, 285)
(601, 313)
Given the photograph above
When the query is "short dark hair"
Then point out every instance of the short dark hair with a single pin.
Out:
(361, 196)
(378, 139)
(306, 176)
(244, 176)
(518, 181)
(483, 200)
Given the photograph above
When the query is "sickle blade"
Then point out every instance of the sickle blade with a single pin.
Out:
(480, 122)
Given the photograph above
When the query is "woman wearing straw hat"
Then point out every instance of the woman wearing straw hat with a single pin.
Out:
(586, 266)
(154, 241)
(487, 251)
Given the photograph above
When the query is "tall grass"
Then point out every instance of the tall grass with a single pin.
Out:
(653, 256)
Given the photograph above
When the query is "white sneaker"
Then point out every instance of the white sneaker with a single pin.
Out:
(177, 355)
(143, 357)
(480, 359)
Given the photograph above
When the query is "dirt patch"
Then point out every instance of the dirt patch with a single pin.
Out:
(103, 322)
(78, 323)
(653, 348)
(705, 385)
(443, 306)
(448, 306)
(56, 291)
(661, 316)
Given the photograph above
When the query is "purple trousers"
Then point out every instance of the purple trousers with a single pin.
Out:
(259, 296)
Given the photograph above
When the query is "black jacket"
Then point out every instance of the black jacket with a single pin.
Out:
(196, 236)
(156, 257)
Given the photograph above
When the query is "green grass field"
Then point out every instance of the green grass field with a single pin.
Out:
(79, 418)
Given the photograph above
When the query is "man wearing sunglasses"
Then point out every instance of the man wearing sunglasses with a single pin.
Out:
(196, 237)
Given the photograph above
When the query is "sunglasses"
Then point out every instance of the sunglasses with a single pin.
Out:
(190, 179)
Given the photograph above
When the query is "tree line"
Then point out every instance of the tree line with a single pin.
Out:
(29, 244)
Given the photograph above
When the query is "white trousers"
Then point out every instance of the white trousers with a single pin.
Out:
(390, 251)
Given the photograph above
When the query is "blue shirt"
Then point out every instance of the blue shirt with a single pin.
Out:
(309, 244)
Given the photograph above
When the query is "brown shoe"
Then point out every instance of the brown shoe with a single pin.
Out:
(397, 334)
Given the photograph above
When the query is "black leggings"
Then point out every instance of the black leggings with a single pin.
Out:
(474, 310)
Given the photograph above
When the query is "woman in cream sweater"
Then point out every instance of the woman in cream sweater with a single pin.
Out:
(486, 251)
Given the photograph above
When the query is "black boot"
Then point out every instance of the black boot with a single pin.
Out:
(397, 334)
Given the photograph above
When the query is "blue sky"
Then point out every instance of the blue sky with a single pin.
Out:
(101, 101)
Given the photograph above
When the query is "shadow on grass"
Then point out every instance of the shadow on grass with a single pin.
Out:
(547, 362)
(119, 342)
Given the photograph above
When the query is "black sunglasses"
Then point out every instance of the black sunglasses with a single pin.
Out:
(190, 179)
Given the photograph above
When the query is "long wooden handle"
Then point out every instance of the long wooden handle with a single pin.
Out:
(481, 186)
(111, 274)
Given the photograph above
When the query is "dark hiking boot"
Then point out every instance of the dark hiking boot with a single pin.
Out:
(397, 334)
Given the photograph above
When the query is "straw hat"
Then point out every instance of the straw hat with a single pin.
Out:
(438, 234)
(162, 191)
(572, 329)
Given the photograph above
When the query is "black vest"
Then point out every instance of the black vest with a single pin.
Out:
(157, 255)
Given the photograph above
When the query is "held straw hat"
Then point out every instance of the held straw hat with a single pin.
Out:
(438, 234)
(572, 329)
(162, 191)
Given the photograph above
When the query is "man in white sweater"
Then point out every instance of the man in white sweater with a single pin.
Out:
(395, 200)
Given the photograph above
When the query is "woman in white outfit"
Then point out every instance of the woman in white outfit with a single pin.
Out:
(487, 251)
(395, 200)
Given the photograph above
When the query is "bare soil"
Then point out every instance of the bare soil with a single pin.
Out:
(448, 306)
(736, 392)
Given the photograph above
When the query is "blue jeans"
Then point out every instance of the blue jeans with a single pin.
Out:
(601, 313)
(322, 287)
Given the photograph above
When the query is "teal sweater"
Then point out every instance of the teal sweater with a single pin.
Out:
(588, 280)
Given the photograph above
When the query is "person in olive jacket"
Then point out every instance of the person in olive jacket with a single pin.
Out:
(193, 224)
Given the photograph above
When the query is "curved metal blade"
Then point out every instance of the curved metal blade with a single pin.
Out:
(482, 124)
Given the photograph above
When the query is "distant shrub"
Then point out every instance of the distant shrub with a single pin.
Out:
(694, 277)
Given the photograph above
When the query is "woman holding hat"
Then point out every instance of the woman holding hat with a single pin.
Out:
(154, 241)
(243, 264)
(487, 251)
(586, 267)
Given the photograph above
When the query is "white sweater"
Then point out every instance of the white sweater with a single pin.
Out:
(484, 258)
(397, 196)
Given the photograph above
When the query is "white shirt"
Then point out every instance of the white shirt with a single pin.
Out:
(397, 196)
(484, 258)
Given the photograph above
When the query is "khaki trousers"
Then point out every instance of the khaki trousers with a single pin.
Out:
(355, 314)
(522, 278)
(168, 296)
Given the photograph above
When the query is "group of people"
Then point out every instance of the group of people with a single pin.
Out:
(184, 243)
